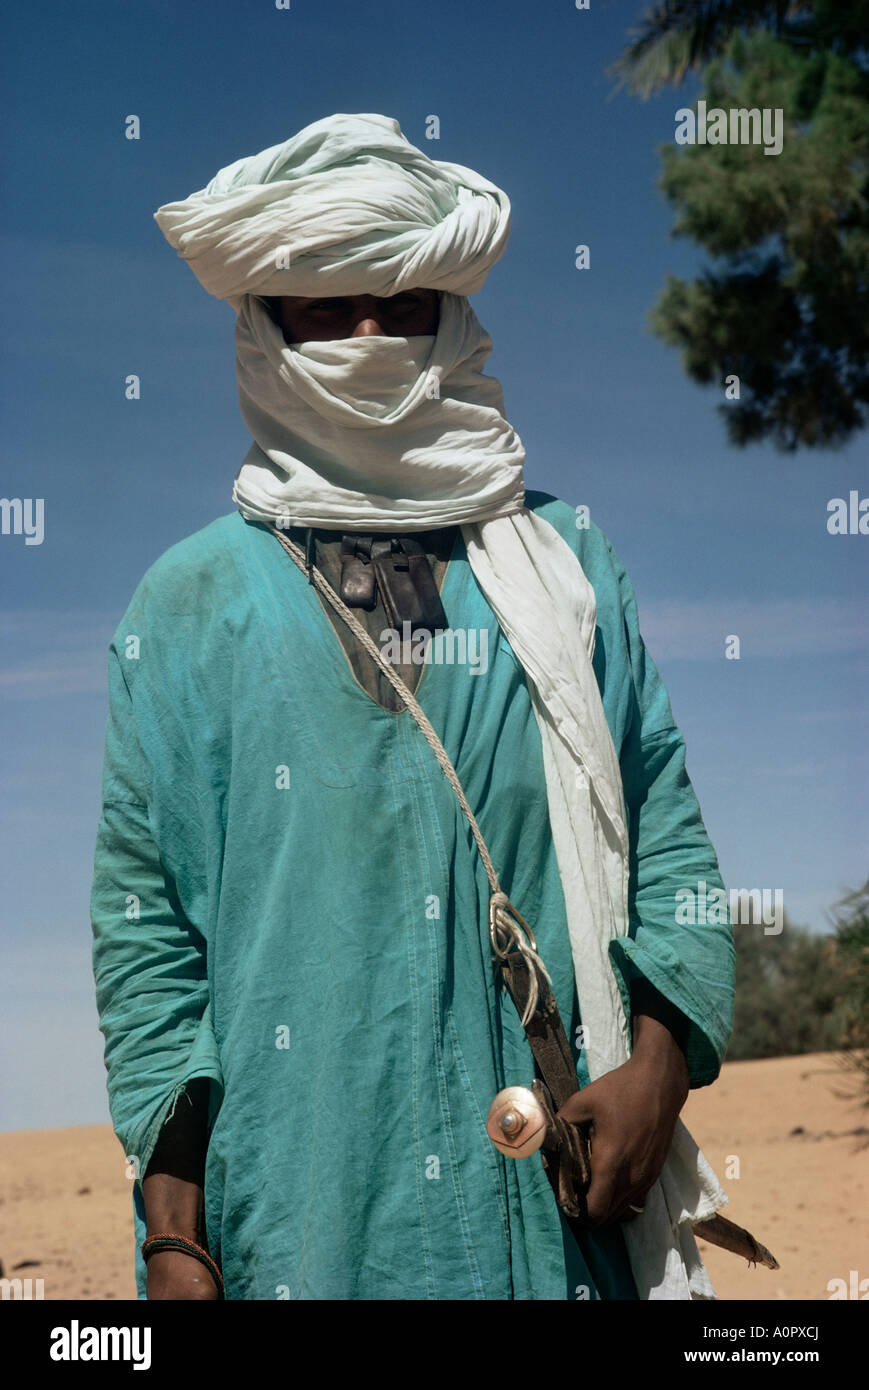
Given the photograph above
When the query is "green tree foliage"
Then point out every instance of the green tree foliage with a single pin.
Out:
(787, 308)
(785, 305)
(678, 36)
(852, 944)
(788, 991)
(804, 992)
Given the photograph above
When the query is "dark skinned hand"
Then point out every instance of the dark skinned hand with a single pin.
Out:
(629, 1116)
(172, 1274)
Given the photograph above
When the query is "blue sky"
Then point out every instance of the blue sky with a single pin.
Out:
(716, 541)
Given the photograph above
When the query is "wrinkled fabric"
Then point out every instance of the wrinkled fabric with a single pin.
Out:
(346, 206)
(320, 950)
(374, 433)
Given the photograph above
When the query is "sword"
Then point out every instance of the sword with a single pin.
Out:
(523, 1121)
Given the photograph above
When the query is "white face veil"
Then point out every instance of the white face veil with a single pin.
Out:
(408, 434)
(374, 433)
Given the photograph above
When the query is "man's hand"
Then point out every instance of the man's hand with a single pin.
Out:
(631, 1114)
(172, 1274)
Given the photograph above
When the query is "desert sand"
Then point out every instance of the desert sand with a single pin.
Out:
(783, 1125)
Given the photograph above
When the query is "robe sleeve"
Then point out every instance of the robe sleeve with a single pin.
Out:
(149, 961)
(690, 964)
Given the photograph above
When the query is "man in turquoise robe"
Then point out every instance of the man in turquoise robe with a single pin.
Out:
(304, 1029)
(310, 926)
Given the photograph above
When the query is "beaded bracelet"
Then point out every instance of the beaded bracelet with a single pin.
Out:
(169, 1241)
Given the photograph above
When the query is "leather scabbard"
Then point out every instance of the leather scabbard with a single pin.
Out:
(565, 1150)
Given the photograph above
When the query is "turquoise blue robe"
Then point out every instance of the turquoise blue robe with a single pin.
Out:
(288, 900)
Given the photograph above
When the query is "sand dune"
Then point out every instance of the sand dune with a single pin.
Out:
(802, 1188)
(66, 1206)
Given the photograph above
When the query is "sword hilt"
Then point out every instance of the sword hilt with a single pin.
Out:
(522, 1122)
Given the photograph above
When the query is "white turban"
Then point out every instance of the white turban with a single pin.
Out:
(347, 206)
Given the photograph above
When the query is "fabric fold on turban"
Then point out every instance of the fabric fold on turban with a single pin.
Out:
(347, 206)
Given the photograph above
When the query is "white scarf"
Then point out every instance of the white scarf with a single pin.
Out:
(392, 434)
